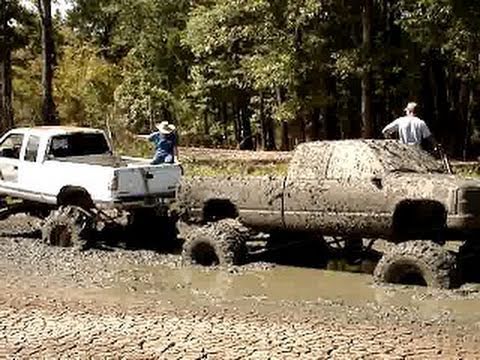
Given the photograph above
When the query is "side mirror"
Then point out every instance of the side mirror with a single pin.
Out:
(377, 181)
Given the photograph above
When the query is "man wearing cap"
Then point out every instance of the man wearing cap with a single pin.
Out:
(411, 130)
(165, 143)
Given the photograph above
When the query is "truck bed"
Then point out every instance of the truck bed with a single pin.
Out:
(103, 160)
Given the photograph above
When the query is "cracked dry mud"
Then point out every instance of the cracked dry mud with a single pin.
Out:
(61, 303)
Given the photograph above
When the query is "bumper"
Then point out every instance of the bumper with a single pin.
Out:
(132, 202)
(463, 223)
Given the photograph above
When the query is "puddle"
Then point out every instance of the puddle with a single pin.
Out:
(273, 287)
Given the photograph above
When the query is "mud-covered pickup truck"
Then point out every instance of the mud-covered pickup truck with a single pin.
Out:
(72, 174)
(352, 190)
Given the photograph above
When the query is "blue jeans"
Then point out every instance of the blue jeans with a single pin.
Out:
(162, 158)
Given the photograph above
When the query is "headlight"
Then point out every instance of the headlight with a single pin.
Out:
(468, 201)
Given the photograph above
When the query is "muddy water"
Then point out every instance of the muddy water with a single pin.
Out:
(269, 288)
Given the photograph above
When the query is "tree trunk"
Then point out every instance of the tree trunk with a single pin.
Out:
(440, 92)
(247, 136)
(464, 113)
(263, 124)
(285, 142)
(48, 57)
(313, 125)
(206, 123)
(285, 137)
(6, 109)
(225, 122)
(237, 125)
(427, 98)
(331, 115)
(266, 124)
(352, 125)
(368, 128)
(270, 132)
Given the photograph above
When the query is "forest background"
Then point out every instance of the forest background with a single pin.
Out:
(246, 74)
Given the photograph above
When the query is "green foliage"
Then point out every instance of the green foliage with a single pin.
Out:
(221, 69)
(85, 84)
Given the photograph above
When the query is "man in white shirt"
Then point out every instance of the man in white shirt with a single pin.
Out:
(411, 130)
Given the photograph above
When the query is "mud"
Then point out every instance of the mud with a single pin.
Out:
(110, 303)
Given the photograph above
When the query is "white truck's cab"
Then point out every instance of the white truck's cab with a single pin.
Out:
(45, 164)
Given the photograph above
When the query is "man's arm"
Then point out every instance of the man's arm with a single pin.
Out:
(152, 136)
(390, 128)
(427, 135)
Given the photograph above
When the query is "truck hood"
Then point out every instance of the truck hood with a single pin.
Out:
(433, 186)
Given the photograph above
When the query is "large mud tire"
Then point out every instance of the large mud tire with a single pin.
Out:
(417, 263)
(222, 243)
(468, 260)
(68, 226)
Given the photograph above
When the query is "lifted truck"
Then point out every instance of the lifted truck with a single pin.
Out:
(356, 191)
(70, 176)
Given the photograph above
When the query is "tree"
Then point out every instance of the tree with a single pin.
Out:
(155, 67)
(272, 73)
(367, 83)
(6, 38)
(97, 22)
(84, 82)
(49, 115)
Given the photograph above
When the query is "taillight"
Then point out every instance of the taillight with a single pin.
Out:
(114, 183)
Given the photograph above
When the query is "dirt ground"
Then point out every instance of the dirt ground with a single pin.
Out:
(117, 303)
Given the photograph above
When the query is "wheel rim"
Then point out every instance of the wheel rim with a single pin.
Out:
(205, 255)
(406, 273)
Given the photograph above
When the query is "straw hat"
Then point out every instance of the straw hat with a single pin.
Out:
(165, 128)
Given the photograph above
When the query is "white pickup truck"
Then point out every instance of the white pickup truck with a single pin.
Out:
(73, 173)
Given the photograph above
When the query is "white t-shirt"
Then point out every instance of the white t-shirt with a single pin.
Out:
(411, 129)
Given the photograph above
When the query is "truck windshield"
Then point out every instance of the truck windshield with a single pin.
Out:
(396, 157)
(78, 144)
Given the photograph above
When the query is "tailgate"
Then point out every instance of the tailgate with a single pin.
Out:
(144, 180)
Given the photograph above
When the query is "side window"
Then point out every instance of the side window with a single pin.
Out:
(11, 146)
(310, 161)
(352, 161)
(59, 146)
(32, 148)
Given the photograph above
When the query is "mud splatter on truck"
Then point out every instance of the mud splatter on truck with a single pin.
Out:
(353, 189)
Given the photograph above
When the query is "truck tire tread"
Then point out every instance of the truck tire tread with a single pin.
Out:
(67, 226)
(221, 243)
(421, 258)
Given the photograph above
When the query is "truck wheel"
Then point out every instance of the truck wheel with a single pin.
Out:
(468, 260)
(417, 263)
(222, 243)
(69, 226)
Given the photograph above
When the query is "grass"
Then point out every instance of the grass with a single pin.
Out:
(205, 162)
(215, 162)
(468, 170)
(233, 168)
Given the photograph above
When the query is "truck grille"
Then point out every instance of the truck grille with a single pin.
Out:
(470, 202)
